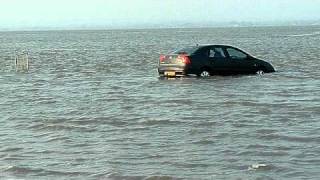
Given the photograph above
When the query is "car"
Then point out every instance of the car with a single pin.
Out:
(209, 60)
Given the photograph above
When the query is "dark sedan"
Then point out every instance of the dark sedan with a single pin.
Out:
(211, 60)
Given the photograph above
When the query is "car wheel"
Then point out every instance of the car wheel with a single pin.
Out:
(260, 72)
(205, 73)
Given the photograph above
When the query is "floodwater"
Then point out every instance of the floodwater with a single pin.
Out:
(92, 107)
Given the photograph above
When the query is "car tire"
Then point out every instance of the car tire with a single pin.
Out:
(260, 71)
(204, 73)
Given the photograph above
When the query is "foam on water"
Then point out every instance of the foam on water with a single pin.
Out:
(307, 34)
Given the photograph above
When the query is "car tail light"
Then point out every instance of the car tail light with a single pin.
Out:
(162, 58)
(185, 59)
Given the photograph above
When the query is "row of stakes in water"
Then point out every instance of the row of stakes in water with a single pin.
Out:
(22, 62)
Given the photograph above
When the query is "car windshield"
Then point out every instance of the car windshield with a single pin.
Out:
(187, 50)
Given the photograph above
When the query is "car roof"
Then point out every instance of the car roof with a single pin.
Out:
(203, 46)
(217, 45)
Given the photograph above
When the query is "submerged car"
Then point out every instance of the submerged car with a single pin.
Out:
(209, 60)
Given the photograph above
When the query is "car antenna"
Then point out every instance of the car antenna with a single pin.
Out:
(193, 39)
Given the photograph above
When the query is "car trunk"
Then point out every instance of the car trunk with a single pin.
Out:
(173, 64)
(170, 59)
(174, 59)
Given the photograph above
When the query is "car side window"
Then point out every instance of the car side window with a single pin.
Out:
(216, 53)
(236, 54)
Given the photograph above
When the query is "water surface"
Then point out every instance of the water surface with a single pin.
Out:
(92, 107)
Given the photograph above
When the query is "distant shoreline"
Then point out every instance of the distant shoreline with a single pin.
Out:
(101, 28)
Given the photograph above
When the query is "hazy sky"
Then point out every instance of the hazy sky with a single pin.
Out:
(42, 13)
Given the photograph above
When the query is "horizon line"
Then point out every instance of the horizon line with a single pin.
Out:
(181, 25)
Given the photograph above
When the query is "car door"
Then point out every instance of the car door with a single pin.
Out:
(218, 61)
(240, 61)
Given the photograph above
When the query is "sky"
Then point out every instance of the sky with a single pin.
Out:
(114, 13)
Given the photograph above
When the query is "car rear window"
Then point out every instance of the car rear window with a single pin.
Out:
(187, 50)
